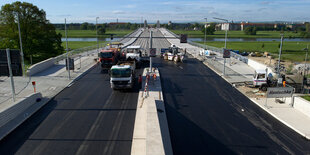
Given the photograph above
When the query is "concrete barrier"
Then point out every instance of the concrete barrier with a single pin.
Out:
(12, 117)
(302, 105)
(40, 66)
(256, 65)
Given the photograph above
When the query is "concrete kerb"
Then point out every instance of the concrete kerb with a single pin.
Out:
(151, 133)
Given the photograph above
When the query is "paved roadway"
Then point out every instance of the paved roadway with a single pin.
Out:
(205, 116)
(86, 118)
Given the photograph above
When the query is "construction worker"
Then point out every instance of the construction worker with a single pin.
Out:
(284, 82)
(154, 76)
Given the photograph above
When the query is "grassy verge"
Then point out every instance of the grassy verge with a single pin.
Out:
(78, 44)
(307, 97)
(292, 51)
(91, 33)
(237, 34)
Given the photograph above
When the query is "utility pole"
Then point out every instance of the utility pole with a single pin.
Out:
(306, 59)
(97, 35)
(10, 72)
(225, 40)
(280, 52)
(67, 49)
(151, 35)
(21, 46)
(204, 43)
(304, 78)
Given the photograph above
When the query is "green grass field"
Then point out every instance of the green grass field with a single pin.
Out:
(306, 97)
(292, 51)
(79, 44)
(237, 34)
(91, 33)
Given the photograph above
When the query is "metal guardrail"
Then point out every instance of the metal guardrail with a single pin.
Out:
(76, 52)
(215, 49)
(220, 50)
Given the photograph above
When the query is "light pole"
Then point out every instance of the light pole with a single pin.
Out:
(67, 60)
(97, 34)
(21, 45)
(306, 59)
(225, 40)
(280, 52)
(204, 42)
(303, 81)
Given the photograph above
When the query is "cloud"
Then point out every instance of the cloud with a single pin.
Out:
(261, 9)
(118, 12)
(265, 2)
(130, 6)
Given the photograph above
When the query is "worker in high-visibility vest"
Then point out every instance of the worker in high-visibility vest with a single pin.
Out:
(284, 82)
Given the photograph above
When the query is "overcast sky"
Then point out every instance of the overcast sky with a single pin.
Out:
(78, 11)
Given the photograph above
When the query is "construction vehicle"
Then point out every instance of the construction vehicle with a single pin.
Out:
(123, 75)
(174, 54)
(263, 79)
(115, 46)
(108, 58)
(134, 52)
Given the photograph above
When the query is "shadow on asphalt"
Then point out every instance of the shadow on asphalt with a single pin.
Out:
(196, 142)
(12, 142)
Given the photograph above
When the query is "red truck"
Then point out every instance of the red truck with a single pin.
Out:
(108, 58)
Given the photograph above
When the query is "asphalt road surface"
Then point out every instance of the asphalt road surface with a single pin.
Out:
(86, 118)
(205, 116)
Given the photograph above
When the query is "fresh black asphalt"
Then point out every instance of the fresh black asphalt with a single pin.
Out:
(87, 118)
(205, 116)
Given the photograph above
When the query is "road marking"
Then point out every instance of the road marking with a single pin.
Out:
(181, 67)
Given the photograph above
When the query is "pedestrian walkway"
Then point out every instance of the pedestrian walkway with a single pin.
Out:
(235, 70)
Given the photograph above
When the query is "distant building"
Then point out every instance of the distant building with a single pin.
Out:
(158, 24)
(116, 23)
(230, 26)
(294, 27)
(262, 26)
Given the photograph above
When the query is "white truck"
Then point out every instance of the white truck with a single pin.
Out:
(123, 75)
(134, 52)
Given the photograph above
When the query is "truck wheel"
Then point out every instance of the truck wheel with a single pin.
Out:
(264, 87)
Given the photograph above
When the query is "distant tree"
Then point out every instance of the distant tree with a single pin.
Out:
(250, 31)
(39, 36)
(101, 31)
(306, 33)
(91, 27)
(210, 29)
(84, 26)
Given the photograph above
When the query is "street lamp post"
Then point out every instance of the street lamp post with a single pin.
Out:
(21, 45)
(67, 60)
(204, 43)
(225, 41)
(303, 81)
(97, 34)
(280, 52)
(306, 59)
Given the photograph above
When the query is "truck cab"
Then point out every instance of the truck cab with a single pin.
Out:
(134, 52)
(122, 75)
(260, 77)
(107, 58)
